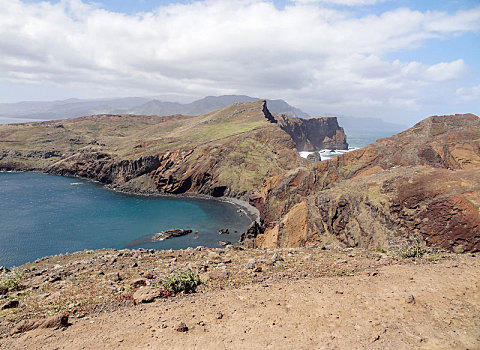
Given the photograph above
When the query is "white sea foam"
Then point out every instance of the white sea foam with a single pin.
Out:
(327, 153)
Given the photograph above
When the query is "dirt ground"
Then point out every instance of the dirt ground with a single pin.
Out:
(408, 305)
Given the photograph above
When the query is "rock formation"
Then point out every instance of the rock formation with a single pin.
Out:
(422, 182)
(314, 134)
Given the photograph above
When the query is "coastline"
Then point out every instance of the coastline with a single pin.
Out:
(249, 210)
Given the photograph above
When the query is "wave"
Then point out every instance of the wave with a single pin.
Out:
(328, 153)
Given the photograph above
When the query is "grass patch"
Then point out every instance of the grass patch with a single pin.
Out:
(11, 280)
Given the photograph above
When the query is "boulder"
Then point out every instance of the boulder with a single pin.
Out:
(146, 295)
(11, 304)
(138, 282)
(160, 236)
(181, 327)
(55, 322)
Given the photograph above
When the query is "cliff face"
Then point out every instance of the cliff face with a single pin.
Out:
(422, 181)
(223, 153)
(314, 134)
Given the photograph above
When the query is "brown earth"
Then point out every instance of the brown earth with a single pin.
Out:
(258, 299)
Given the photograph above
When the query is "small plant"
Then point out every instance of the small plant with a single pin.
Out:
(411, 247)
(179, 280)
(11, 280)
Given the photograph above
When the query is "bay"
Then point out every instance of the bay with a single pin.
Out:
(43, 215)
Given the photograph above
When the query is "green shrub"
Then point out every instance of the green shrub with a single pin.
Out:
(11, 280)
(179, 280)
(411, 247)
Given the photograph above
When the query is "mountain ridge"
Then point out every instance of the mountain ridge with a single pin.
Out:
(71, 108)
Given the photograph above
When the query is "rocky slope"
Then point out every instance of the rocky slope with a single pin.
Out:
(226, 152)
(421, 182)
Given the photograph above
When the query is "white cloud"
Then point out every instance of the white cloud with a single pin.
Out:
(322, 59)
(342, 2)
(469, 93)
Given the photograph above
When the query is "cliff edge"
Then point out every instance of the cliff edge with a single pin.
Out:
(422, 182)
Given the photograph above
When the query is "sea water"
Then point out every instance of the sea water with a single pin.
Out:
(355, 141)
(44, 215)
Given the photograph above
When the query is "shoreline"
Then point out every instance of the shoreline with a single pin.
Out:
(249, 210)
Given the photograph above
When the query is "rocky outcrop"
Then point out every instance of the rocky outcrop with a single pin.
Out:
(223, 153)
(421, 182)
(314, 134)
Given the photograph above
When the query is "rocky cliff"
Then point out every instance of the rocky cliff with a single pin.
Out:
(421, 182)
(314, 134)
(223, 153)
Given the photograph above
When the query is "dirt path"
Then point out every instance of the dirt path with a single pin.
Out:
(365, 311)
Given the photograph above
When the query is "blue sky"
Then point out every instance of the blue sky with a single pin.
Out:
(399, 60)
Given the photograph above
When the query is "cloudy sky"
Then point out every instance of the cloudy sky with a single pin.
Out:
(401, 60)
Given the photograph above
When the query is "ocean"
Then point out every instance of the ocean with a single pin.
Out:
(44, 215)
(355, 141)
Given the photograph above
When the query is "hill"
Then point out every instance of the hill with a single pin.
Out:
(72, 108)
(226, 152)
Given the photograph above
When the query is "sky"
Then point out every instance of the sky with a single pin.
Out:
(399, 60)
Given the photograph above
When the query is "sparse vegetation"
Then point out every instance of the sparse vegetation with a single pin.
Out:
(11, 280)
(411, 247)
(179, 280)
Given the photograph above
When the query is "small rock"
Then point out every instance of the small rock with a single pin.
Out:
(410, 299)
(218, 274)
(258, 269)
(135, 264)
(138, 282)
(224, 243)
(114, 277)
(224, 231)
(148, 275)
(146, 295)
(3, 290)
(181, 327)
(250, 265)
(56, 322)
(101, 273)
(11, 304)
(3, 269)
(219, 315)
(276, 257)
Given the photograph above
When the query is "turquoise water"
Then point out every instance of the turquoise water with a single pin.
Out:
(45, 215)
(359, 140)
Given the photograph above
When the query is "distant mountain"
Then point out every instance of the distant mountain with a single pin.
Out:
(212, 103)
(71, 108)
(353, 125)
